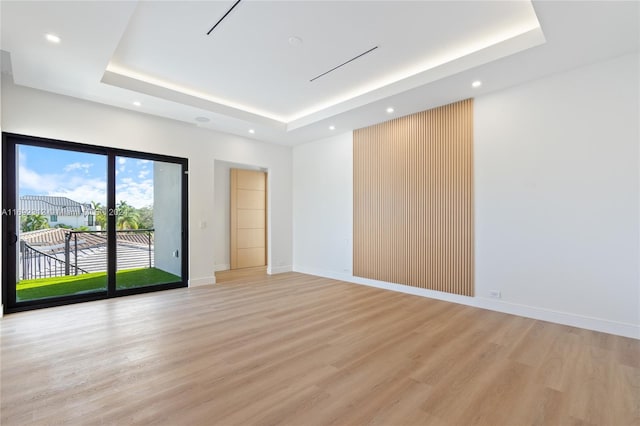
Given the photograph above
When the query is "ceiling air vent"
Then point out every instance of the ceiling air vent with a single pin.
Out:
(223, 16)
(344, 63)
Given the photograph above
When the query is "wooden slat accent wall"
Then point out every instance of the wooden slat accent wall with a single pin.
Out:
(413, 200)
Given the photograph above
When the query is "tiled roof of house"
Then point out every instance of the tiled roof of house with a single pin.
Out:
(52, 240)
(48, 205)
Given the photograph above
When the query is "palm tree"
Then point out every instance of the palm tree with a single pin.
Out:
(33, 222)
(128, 218)
(146, 217)
(101, 217)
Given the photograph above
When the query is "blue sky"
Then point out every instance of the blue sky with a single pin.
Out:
(83, 177)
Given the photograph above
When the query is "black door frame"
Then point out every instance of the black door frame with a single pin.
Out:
(10, 141)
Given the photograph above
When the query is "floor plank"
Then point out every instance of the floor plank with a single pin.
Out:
(293, 349)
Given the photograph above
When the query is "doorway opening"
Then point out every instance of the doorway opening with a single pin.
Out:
(250, 236)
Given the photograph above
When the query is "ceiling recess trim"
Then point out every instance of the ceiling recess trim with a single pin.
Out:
(195, 100)
(479, 53)
(434, 71)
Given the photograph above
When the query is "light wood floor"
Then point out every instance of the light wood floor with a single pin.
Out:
(239, 275)
(300, 350)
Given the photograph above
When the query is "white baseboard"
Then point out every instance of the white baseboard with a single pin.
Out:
(558, 317)
(222, 267)
(198, 282)
(565, 318)
(272, 270)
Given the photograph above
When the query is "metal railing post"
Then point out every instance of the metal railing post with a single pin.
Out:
(75, 241)
(24, 264)
(67, 254)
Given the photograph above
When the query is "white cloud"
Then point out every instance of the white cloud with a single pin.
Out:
(30, 180)
(122, 161)
(78, 166)
(135, 193)
(78, 188)
(84, 192)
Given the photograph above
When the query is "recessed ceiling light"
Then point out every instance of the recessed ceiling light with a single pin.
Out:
(202, 119)
(390, 110)
(332, 127)
(476, 84)
(252, 131)
(137, 103)
(295, 41)
(52, 38)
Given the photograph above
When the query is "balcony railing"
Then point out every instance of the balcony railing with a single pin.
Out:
(37, 264)
(86, 251)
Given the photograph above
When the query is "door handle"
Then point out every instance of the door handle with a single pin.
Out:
(13, 238)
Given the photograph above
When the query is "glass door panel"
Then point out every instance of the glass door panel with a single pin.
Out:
(61, 242)
(148, 222)
(82, 222)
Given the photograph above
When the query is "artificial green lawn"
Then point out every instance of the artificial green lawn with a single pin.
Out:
(85, 283)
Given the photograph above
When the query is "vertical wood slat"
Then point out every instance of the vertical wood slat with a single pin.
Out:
(413, 200)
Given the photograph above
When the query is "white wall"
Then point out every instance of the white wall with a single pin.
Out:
(323, 205)
(167, 220)
(557, 192)
(38, 113)
(73, 221)
(3, 78)
(556, 200)
(222, 219)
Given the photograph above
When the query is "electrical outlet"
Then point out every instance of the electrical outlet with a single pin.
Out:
(495, 294)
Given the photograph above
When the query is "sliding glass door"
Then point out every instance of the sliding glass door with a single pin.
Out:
(83, 222)
(59, 249)
(148, 222)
